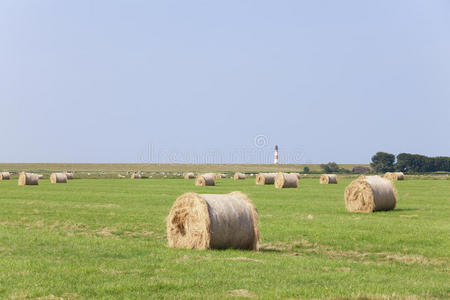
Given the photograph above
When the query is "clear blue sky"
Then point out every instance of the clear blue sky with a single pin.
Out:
(197, 81)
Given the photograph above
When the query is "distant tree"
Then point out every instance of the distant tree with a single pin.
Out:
(416, 163)
(306, 170)
(330, 167)
(383, 162)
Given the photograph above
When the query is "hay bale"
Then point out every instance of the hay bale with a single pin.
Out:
(69, 175)
(58, 178)
(239, 176)
(136, 176)
(220, 176)
(5, 176)
(328, 179)
(189, 175)
(370, 193)
(297, 174)
(212, 221)
(40, 176)
(394, 175)
(285, 180)
(28, 179)
(208, 179)
(265, 178)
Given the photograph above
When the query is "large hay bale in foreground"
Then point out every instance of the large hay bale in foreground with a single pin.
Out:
(136, 176)
(69, 175)
(212, 221)
(238, 176)
(285, 180)
(394, 176)
(189, 175)
(328, 179)
(265, 178)
(28, 179)
(5, 176)
(208, 179)
(58, 178)
(370, 193)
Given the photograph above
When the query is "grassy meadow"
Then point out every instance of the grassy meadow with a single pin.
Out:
(106, 239)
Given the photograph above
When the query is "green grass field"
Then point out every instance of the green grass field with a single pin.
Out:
(106, 239)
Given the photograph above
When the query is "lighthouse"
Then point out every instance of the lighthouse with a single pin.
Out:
(275, 155)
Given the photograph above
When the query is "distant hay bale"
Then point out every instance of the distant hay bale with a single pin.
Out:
(265, 178)
(120, 176)
(208, 179)
(370, 193)
(189, 175)
(298, 175)
(40, 176)
(58, 178)
(285, 180)
(394, 176)
(28, 179)
(212, 221)
(238, 176)
(220, 176)
(5, 176)
(136, 176)
(69, 175)
(328, 179)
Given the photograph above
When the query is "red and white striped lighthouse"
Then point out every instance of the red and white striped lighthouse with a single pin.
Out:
(275, 155)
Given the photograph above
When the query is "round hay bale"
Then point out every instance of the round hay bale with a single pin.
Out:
(58, 178)
(298, 175)
(285, 180)
(5, 176)
(394, 175)
(69, 175)
(238, 176)
(328, 179)
(212, 221)
(265, 178)
(370, 193)
(28, 179)
(136, 176)
(189, 175)
(40, 176)
(208, 179)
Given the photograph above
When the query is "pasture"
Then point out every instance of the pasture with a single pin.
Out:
(106, 238)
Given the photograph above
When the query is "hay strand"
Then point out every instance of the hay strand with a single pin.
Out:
(265, 178)
(285, 180)
(208, 179)
(5, 176)
(28, 179)
(212, 221)
(58, 178)
(328, 179)
(370, 193)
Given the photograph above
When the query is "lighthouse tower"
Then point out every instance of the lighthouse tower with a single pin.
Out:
(275, 155)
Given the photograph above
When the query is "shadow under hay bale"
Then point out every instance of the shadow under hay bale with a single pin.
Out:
(285, 180)
(265, 178)
(208, 179)
(5, 176)
(212, 221)
(328, 179)
(28, 179)
(369, 194)
(58, 178)
(239, 176)
(394, 176)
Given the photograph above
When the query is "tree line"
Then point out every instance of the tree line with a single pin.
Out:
(409, 163)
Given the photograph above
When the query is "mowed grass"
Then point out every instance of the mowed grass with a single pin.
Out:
(106, 239)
